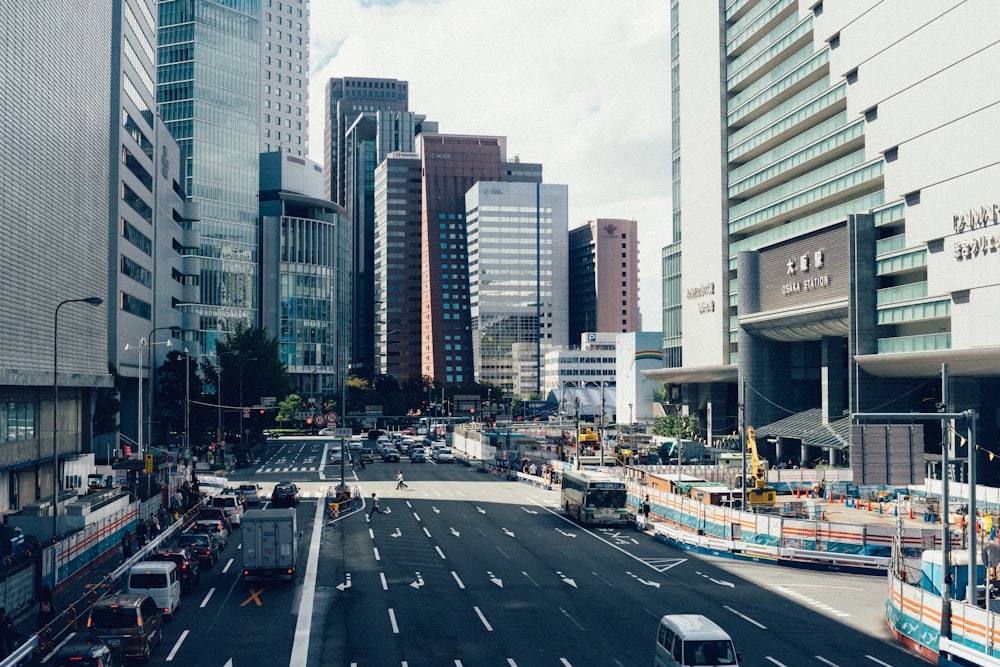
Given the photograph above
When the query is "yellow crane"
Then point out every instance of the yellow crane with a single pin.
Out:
(760, 494)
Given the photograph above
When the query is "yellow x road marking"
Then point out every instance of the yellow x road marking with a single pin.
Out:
(254, 595)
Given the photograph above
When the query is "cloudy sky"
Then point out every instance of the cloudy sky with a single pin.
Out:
(580, 86)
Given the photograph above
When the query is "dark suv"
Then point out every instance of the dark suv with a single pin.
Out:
(187, 564)
(201, 545)
(285, 494)
(81, 654)
(129, 624)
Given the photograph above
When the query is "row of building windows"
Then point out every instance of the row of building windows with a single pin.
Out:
(17, 421)
(138, 273)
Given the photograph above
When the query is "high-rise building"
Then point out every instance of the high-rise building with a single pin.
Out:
(835, 222)
(517, 241)
(305, 285)
(370, 138)
(346, 99)
(451, 165)
(202, 43)
(604, 277)
(397, 266)
(284, 80)
(55, 184)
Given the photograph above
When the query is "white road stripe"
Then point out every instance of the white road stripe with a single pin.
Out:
(457, 580)
(177, 646)
(392, 620)
(483, 619)
(440, 553)
(303, 625)
(208, 597)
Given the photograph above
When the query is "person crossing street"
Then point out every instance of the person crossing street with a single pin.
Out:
(400, 484)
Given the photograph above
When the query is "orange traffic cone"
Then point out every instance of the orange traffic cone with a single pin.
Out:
(822, 515)
(911, 512)
(869, 506)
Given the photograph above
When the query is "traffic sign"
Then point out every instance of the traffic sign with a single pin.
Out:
(331, 417)
(318, 420)
(149, 463)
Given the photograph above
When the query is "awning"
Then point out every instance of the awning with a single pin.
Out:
(976, 361)
(808, 427)
(686, 374)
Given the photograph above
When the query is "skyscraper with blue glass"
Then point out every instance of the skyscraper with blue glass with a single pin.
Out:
(208, 91)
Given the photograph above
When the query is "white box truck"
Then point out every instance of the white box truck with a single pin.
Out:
(270, 544)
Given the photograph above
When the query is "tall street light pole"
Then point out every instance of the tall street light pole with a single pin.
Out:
(220, 437)
(93, 301)
(242, 407)
(149, 365)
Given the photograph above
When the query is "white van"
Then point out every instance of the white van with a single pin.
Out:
(692, 640)
(159, 580)
(232, 507)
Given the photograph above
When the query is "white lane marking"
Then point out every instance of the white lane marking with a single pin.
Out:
(392, 619)
(427, 532)
(565, 662)
(303, 625)
(457, 580)
(440, 553)
(208, 596)
(228, 565)
(385, 583)
(876, 660)
(779, 664)
(482, 618)
(416, 516)
(377, 557)
(510, 661)
(826, 662)
(744, 617)
(177, 646)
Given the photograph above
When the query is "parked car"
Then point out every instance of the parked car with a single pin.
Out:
(187, 563)
(390, 454)
(129, 624)
(202, 545)
(285, 494)
(251, 492)
(215, 528)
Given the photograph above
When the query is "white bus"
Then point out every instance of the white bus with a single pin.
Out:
(594, 497)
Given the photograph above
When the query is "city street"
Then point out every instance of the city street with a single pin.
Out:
(470, 569)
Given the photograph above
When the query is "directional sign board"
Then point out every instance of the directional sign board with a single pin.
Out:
(149, 463)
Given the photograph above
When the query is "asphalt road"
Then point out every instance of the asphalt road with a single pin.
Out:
(467, 569)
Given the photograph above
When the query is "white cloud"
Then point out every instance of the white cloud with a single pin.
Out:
(580, 86)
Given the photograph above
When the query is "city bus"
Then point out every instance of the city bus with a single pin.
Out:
(594, 497)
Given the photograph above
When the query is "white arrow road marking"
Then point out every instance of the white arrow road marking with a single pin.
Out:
(229, 663)
(507, 532)
(480, 510)
(454, 532)
(529, 511)
(347, 583)
(567, 579)
(717, 581)
(436, 510)
(565, 533)
(397, 533)
(495, 580)
(643, 581)
(419, 582)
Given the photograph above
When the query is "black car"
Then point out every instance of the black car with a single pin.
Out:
(82, 654)
(203, 546)
(216, 513)
(390, 454)
(285, 494)
(187, 564)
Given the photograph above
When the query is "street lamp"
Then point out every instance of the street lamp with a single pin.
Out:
(138, 423)
(242, 407)
(220, 436)
(149, 365)
(93, 301)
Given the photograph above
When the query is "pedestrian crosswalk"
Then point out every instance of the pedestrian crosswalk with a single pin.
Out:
(289, 469)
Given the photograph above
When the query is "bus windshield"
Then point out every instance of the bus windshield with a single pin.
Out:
(606, 498)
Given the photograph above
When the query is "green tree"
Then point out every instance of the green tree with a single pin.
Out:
(174, 390)
(288, 407)
(107, 405)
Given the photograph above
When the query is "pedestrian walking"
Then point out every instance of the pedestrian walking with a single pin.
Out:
(645, 509)
(154, 526)
(8, 634)
(45, 606)
(400, 484)
(161, 516)
(376, 509)
(126, 545)
(140, 533)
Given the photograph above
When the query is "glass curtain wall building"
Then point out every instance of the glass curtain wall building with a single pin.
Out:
(208, 89)
(838, 255)
(518, 284)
